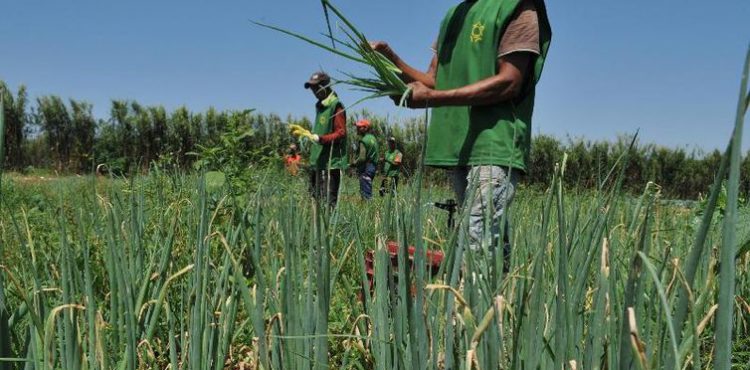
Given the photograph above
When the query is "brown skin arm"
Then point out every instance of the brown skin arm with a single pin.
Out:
(409, 74)
(505, 85)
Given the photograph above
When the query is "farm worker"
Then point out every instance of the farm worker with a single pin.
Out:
(328, 154)
(292, 160)
(488, 57)
(367, 158)
(391, 168)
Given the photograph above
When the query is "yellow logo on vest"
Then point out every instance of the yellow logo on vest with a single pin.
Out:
(322, 120)
(477, 32)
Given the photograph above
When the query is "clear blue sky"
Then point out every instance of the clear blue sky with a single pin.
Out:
(669, 67)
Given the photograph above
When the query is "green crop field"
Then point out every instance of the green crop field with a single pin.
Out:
(166, 271)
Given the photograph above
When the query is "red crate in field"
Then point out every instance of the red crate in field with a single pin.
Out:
(434, 259)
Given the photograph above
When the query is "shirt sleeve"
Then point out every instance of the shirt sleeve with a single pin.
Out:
(339, 127)
(522, 33)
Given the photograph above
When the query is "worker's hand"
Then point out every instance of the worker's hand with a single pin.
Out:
(419, 96)
(300, 132)
(383, 48)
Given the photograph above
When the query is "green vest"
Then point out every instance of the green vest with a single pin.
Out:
(371, 148)
(336, 151)
(389, 168)
(498, 134)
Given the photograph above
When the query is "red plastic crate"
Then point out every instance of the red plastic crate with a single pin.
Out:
(434, 260)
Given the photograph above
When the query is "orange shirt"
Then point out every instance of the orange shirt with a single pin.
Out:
(291, 162)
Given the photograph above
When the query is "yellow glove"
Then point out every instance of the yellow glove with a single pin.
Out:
(300, 132)
(293, 128)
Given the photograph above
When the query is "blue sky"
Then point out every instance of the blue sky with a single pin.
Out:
(670, 68)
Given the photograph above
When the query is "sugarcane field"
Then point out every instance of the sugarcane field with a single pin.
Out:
(337, 184)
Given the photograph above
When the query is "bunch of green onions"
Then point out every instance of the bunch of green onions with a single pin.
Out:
(385, 76)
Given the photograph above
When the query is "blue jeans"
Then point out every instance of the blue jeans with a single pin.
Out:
(490, 191)
(366, 174)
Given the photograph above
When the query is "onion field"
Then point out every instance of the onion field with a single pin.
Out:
(169, 271)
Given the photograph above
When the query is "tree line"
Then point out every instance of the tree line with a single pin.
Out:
(63, 135)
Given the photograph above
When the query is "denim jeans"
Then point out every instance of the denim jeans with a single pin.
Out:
(490, 191)
(366, 174)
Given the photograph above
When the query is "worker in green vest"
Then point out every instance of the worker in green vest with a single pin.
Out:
(391, 168)
(367, 158)
(481, 81)
(328, 154)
